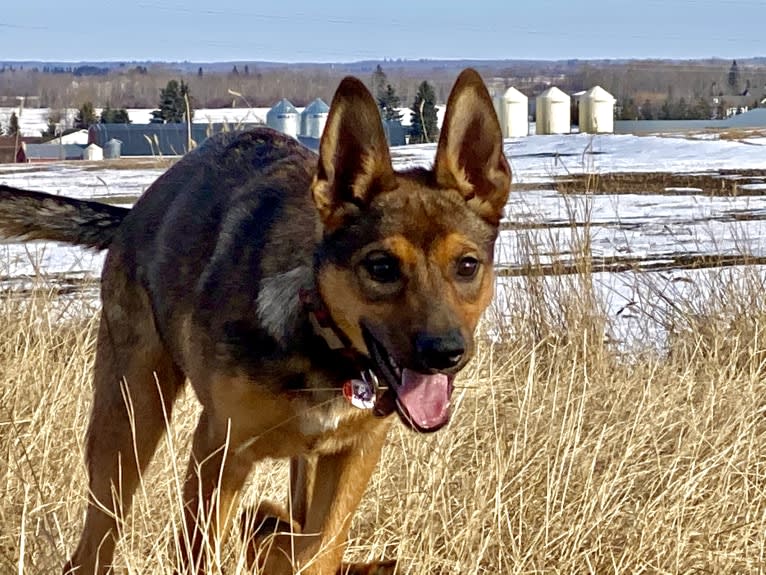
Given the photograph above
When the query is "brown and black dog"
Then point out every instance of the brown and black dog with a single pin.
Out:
(305, 298)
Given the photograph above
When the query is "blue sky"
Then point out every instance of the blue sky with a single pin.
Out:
(347, 30)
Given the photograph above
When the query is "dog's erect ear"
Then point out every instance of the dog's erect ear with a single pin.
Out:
(470, 155)
(354, 161)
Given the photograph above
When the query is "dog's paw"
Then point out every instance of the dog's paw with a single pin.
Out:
(374, 568)
(259, 524)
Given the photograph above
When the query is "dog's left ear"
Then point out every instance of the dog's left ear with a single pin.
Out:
(354, 161)
(470, 155)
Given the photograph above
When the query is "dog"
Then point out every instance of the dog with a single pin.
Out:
(306, 298)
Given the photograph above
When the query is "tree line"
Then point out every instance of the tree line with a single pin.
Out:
(248, 86)
(644, 89)
(176, 104)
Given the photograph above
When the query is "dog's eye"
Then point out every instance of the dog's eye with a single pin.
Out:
(467, 267)
(382, 267)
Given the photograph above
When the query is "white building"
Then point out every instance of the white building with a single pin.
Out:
(596, 111)
(514, 118)
(553, 112)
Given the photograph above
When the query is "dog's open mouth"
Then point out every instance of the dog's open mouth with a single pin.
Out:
(421, 399)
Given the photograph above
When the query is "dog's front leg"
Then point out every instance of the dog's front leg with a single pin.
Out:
(216, 473)
(339, 481)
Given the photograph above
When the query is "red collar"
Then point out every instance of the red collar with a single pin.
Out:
(361, 392)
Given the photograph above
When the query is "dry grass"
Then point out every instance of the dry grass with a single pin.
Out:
(564, 456)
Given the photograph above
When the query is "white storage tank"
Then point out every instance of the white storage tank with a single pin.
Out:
(553, 112)
(596, 114)
(514, 117)
(93, 152)
(284, 117)
(496, 87)
(314, 118)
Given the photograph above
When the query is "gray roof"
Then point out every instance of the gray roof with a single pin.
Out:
(755, 118)
(316, 107)
(53, 151)
(157, 139)
(284, 106)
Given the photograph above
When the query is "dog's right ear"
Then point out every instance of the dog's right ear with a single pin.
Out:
(354, 161)
(470, 157)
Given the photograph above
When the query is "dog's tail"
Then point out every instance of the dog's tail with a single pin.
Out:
(29, 215)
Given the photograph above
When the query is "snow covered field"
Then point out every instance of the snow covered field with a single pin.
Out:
(542, 226)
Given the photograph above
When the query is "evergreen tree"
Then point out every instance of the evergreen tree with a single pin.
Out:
(86, 116)
(666, 111)
(172, 107)
(51, 129)
(13, 125)
(424, 127)
(114, 116)
(647, 111)
(734, 77)
(389, 103)
(379, 82)
(702, 110)
(629, 110)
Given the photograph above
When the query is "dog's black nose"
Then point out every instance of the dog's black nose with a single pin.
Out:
(440, 351)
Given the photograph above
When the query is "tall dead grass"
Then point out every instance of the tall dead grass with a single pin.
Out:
(565, 455)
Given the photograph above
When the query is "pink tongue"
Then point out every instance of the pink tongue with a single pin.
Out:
(425, 398)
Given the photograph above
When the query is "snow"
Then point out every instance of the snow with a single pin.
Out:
(540, 158)
(757, 187)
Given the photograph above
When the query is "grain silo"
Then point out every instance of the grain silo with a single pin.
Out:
(284, 117)
(596, 113)
(515, 114)
(314, 118)
(496, 87)
(553, 112)
(112, 149)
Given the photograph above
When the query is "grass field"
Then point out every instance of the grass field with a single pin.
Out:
(564, 454)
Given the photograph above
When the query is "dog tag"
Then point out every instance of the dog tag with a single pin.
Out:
(359, 393)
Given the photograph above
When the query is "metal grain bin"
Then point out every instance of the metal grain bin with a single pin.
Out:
(284, 117)
(112, 149)
(314, 118)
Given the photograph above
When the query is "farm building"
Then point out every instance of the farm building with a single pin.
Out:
(93, 152)
(553, 113)
(34, 153)
(11, 148)
(155, 139)
(79, 137)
